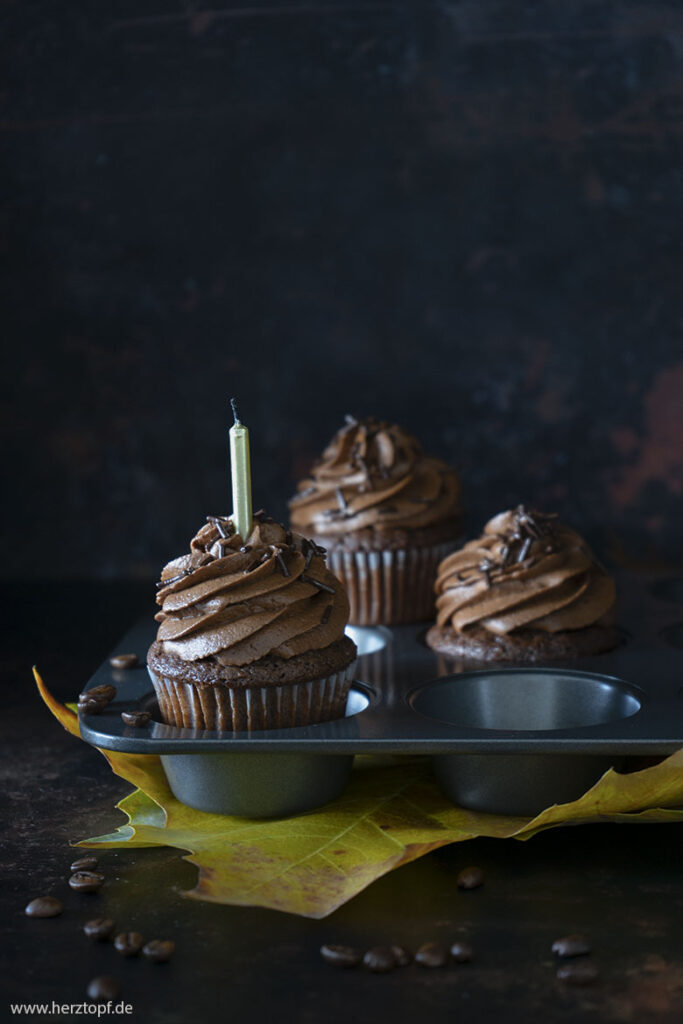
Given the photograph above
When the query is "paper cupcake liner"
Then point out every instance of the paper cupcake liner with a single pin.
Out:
(239, 709)
(387, 588)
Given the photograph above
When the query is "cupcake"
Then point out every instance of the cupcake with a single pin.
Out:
(529, 589)
(387, 514)
(251, 635)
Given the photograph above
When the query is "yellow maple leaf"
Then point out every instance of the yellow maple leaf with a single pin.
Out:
(392, 812)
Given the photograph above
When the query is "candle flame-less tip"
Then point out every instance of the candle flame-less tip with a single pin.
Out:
(234, 410)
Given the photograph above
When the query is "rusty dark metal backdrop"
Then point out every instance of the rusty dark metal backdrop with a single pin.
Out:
(464, 216)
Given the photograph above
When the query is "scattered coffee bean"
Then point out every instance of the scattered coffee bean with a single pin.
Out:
(340, 956)
(104, 692)
(104, 988)
(470, 878)
(462, 952)
(432, 954)
(84, 864)
(123, 661)
(86, 881)
(379, 959)
(92, 706)
(100, 928)
(44, 906)
(129, 943)
(402, 956)
(578, 974)
(159, 951)
(136, 718)
(571, 945)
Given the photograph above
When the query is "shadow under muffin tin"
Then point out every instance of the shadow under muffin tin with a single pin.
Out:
(509, 739)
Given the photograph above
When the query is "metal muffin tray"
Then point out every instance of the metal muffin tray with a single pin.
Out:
(507, 738)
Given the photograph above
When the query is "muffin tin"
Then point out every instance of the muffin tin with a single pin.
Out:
(506, 739)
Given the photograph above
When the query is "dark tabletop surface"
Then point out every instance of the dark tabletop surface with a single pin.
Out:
(621, 885)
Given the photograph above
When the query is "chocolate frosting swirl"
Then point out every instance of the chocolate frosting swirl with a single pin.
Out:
(373, 475)
(525, 572)
(238, 602)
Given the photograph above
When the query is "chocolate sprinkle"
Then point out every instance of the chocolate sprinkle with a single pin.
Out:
(281, 562)
(316, 583)
(343, 506)
(524, 550)
(174, 579)
(485, 568)
(326, 614)
(245, 548)
(534, 524)
(222, 523)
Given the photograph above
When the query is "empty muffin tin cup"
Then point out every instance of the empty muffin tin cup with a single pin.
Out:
(261, 785)
(520, 702)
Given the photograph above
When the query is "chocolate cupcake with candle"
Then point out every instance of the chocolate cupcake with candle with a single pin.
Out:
(529, 589)
(387, 514)
(251, 632)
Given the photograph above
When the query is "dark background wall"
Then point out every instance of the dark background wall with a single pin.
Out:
(465, 216)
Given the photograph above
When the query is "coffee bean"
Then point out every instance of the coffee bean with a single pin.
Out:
(432, 954)
(379, 959)
(84, 864)
(92, 706)
(340, 956)
(136, 718)
(123, 660)
(470, 878)
(571, 945)
(100, 928)
(129, 943)
(159, 951)
(104, 988)
(44, 906)
(105, 692)
(578, 974)
(402, 956)
(86, 881)
(462, 952)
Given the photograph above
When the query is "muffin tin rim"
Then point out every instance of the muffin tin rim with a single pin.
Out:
(395, 728)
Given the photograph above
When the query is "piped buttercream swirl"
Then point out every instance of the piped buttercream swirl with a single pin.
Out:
(374, 476)
(526, 571)
(238, 601)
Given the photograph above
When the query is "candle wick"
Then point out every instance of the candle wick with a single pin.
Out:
(234, 411)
